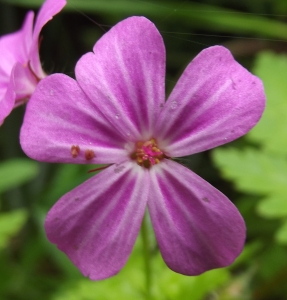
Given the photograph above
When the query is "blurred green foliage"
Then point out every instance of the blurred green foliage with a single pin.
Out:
(10, 224)
(251, 171)
(128, 284)
(16, 171)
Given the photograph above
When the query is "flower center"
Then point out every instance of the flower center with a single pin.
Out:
(147, 153)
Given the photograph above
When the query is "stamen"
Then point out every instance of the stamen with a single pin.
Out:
(89, 154)
(147, 153)
(75, 150)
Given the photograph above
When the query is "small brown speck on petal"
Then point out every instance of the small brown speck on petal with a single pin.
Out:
(89, 154)
(75, 150)
(75, 247)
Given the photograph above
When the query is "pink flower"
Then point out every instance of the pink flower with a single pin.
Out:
(116, 113)
(20, 67)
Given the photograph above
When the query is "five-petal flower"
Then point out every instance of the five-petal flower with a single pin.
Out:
(116, 113)
(20, 68)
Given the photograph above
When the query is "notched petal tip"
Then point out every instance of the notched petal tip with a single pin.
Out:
(126, 71)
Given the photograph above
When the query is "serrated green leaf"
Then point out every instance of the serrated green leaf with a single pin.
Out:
(274, 206)
(281, 234)
(270, 132)
(16, 171)
(10, 224)
(253, 171)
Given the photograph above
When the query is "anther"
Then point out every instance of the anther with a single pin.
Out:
(75, 150)
(147, 153)
(89, 154)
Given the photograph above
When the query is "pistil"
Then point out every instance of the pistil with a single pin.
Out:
(147, 153)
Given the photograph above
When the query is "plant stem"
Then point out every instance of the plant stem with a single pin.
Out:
(146, 253)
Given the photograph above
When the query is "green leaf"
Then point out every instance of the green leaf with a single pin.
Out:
(252, 171)
(175, 286)
(281, 234)
(10, 224)
(270, 132)
(17, 171)
(257, 172)
(274, 206)
(105, 290)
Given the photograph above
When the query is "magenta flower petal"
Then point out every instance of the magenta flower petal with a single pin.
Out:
(196, 226)
(215, 101)
(24, 83)
(97, 223)
(8, 102)
(49, 9)
(14, 47)
(69, 128)
(124, 76)
(20, 67)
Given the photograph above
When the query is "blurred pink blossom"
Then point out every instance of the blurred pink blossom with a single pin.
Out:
(20, 67)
